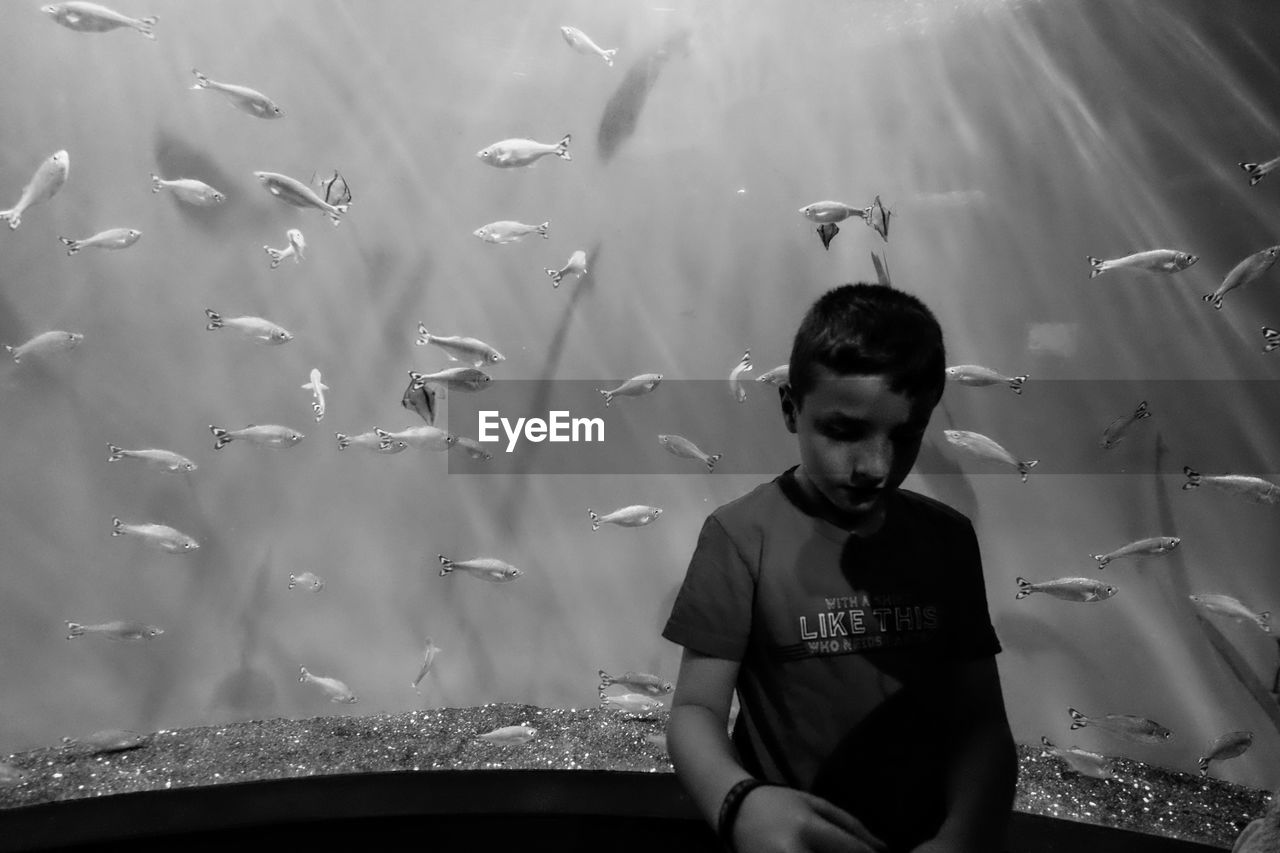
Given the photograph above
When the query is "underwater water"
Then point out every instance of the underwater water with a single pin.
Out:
(1010, 140)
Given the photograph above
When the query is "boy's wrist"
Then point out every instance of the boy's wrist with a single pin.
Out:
(730, 807)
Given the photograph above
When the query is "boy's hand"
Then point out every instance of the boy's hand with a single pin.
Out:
(776, 819)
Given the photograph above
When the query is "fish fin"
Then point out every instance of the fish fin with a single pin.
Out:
(424, 337)
(1204, 766)
(74, 629)
(337, 217)
(446, 565)
(215, 319)
(562, 148)
(145, 25)
(542, 229)
(72, 248)
(343, 441)
(302, 676)
(609, 55)
(1024, 468)
(595, 525)
(1024, 588)
(1097, 267)
(608, 396)
(1102, 559)
(293, 580)
(1044, 740)
(1015, 384)
(1273, 338)
(202, 82)
(712, 460)
(1142, 411)
(555, 277)
(1076, 719)
(117, 453)
(12, 217)
(17, 359)
(1193, 477)
(221, 435)
(117, 527)
(605, 679)
(156, 183)
(275, 254)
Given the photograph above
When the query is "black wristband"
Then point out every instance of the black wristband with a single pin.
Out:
(729, 809)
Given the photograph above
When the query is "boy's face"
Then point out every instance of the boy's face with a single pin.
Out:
(858, 441)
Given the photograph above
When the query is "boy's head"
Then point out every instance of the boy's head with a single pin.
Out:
(867, 368)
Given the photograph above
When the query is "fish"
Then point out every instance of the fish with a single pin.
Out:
(1127, 726)
(457, 348)
(877, 217)
(112, 238)
(977, 376)
(631, 703)
(1082, 761)
(10, 775)
(420, 398)
(454, 378)
(779, 376)
(49, 177)
(582, 43)
(159, 536)
(1116, 430)
(678, 445)
(473, 448)
(370, 441)
(1225, 605)
(513, 153)
(92, 18)
(633, 387)
(265, 435)
(486, 568)
(1153, 546)
(827, 232)
(165, 460)
(292, 191)
(307, 582)
(642, 682)
(123, 630)
(1258, 171)
(1244, 273)
(1156, 260)
(1272, 337)
(44, 344)
(420, 437)
(735, 383)
(637, 515)
(297, 245)
(189, 191)
(1224, 746)
(1085, 590)
(984, 447)
(577, 265)
(336, 189)
(509, 231)
(110, 740)
(1254, 489)
(510, 735)
(243, 98)
(429, 652)
(317, 389)
(825, 212)
(337, 692)
(256, 328)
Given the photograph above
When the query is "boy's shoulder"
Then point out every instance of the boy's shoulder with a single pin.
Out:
(761, 502)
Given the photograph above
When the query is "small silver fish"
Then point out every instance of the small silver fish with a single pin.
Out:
(420, 437)
(264, 435)
(292, 191)
(778, 376)
(49, 177)
(1085, 590)
(110, 740)
(977, 376)
(735, 382)
(92, 18)
(307, 582)
(1225, 605)
(473, 448)
(637, 515)
(579, 41)
(429, 653)
(513, 153)
(317, 389)
(120, 630)
(44, 344)
(829, 211)
(577, 265)
(112, 238)
(984, 447)
(189, 191)
(1127, 726)
(486, 568)
(242, 98)
(159, 536)
(10, 775)
(1153, 546)
(1082, 761)
(633, 387)
(454, 378)
(369, 441)
(1117, 429)
(333, 688)
(458, 348)
(1258, 171)
(1254, 489)
(510, 735)
(631, 703)
(297, 245)
(1156, 260)
(877, 218)
(678, 445)
(509, 231)
(255, 328)
(420, 398)
(1224, 746)
(1272, 337)
(641, 682)
(1248, 270)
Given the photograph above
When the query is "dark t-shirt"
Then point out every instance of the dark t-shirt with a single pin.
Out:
(843, 642)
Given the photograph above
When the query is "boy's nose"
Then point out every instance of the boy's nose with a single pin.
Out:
(872, 463)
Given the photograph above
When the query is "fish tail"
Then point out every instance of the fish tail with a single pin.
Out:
(276, 256)
(145, 26)
(74, 629)
(13, 217)
(1097, 267)
(336, 214)
(1264, 621)
(117, 453)
(293, 581)
(1078, 720)
(555, 277)
(1044, 740)
(1204, 766)
(303, 674)
(72, 245)
(712, 460)
(1015, 384)
(117, 527)
(604, 699)
(446, 565)
(595, 525)
(605, 680)
(1273, 338)
(542, 229)
(1252, 169)
(424, 337)
(215, 319)
(1193, 477)
(1024, 468)
(609, 55)
(319, 412)
(1024, 588)
(16, 358)
(156, 183)
(562, 147)
(608, 396)
(221, 435)
(202, 82)
(1102, 559)
(343, 440)
(1208, 297)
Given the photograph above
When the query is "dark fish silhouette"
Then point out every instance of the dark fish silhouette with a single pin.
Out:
(420, 398)
(827, 231)
(878, 218)
(333, 190)
(622, 113)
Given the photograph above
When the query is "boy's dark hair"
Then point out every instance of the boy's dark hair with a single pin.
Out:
(870, 329)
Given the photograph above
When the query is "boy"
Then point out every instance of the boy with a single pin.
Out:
(849, 615)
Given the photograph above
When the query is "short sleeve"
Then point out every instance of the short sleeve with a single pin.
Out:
(712, 611)
(969, 633)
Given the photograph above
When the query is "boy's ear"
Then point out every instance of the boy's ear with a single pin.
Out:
(789, 407)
